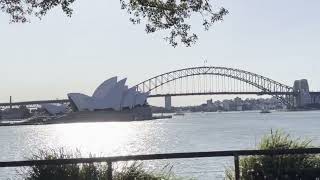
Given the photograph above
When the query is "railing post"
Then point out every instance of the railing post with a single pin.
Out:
(109, 163)
(236, 167)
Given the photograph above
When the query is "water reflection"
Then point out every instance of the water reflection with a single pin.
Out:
(193, 132)
(106, 138)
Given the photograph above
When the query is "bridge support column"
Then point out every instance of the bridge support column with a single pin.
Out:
(291, 101)
(315, 98)
(167, 103)
(303, 97)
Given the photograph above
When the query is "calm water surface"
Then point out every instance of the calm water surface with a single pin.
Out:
(192, 132)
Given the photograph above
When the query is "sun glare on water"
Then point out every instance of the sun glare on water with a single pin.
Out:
(97, 138)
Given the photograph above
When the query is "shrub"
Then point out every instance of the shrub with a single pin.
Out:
(91, 171)
(279, 167)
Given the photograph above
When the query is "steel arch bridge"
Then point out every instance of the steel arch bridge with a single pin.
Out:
(215, 80)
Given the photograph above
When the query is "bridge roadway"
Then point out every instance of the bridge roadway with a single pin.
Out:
(28, 103)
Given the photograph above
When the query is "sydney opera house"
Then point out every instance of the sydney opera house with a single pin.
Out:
(111, 94)
(113, 100)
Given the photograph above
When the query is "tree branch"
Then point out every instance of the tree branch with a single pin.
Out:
(158, 14)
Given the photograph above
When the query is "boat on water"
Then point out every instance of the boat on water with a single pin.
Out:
(265, 111)
(179, 113)
(162, 117)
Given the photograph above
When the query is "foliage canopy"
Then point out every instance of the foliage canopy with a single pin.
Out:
(170, 15)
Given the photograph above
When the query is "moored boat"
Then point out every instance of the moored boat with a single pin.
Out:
(264, 111)
(179, 114)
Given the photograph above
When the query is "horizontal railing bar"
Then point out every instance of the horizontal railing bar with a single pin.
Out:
(162, 156)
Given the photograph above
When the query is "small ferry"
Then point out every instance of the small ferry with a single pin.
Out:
(265, 111)
(179, 114)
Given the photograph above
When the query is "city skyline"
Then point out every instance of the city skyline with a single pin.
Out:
(42, 62)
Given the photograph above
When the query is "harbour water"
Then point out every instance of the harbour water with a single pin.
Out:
(189, 133)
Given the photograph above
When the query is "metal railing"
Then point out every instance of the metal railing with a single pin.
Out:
(109, 160)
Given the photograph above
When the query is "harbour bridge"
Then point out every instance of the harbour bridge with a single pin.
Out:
(215, 81)
(209, 80)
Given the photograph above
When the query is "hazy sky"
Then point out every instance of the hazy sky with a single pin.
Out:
(47, 59)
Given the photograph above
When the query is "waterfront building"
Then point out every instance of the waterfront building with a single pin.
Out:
(110, 95)
(15, 113)
(54, 109)
(226, 105)
(113, 100)
(239, 108)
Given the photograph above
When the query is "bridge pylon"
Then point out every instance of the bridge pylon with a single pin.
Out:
(167, 103)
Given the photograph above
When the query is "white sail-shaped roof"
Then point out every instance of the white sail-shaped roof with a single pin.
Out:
(54, 109)
(114, 97)
(82, 101)
(129, 98)
(109, 95)
(105, 87)
(141, 98)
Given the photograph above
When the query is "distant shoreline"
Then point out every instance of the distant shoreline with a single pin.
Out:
(51, 122)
